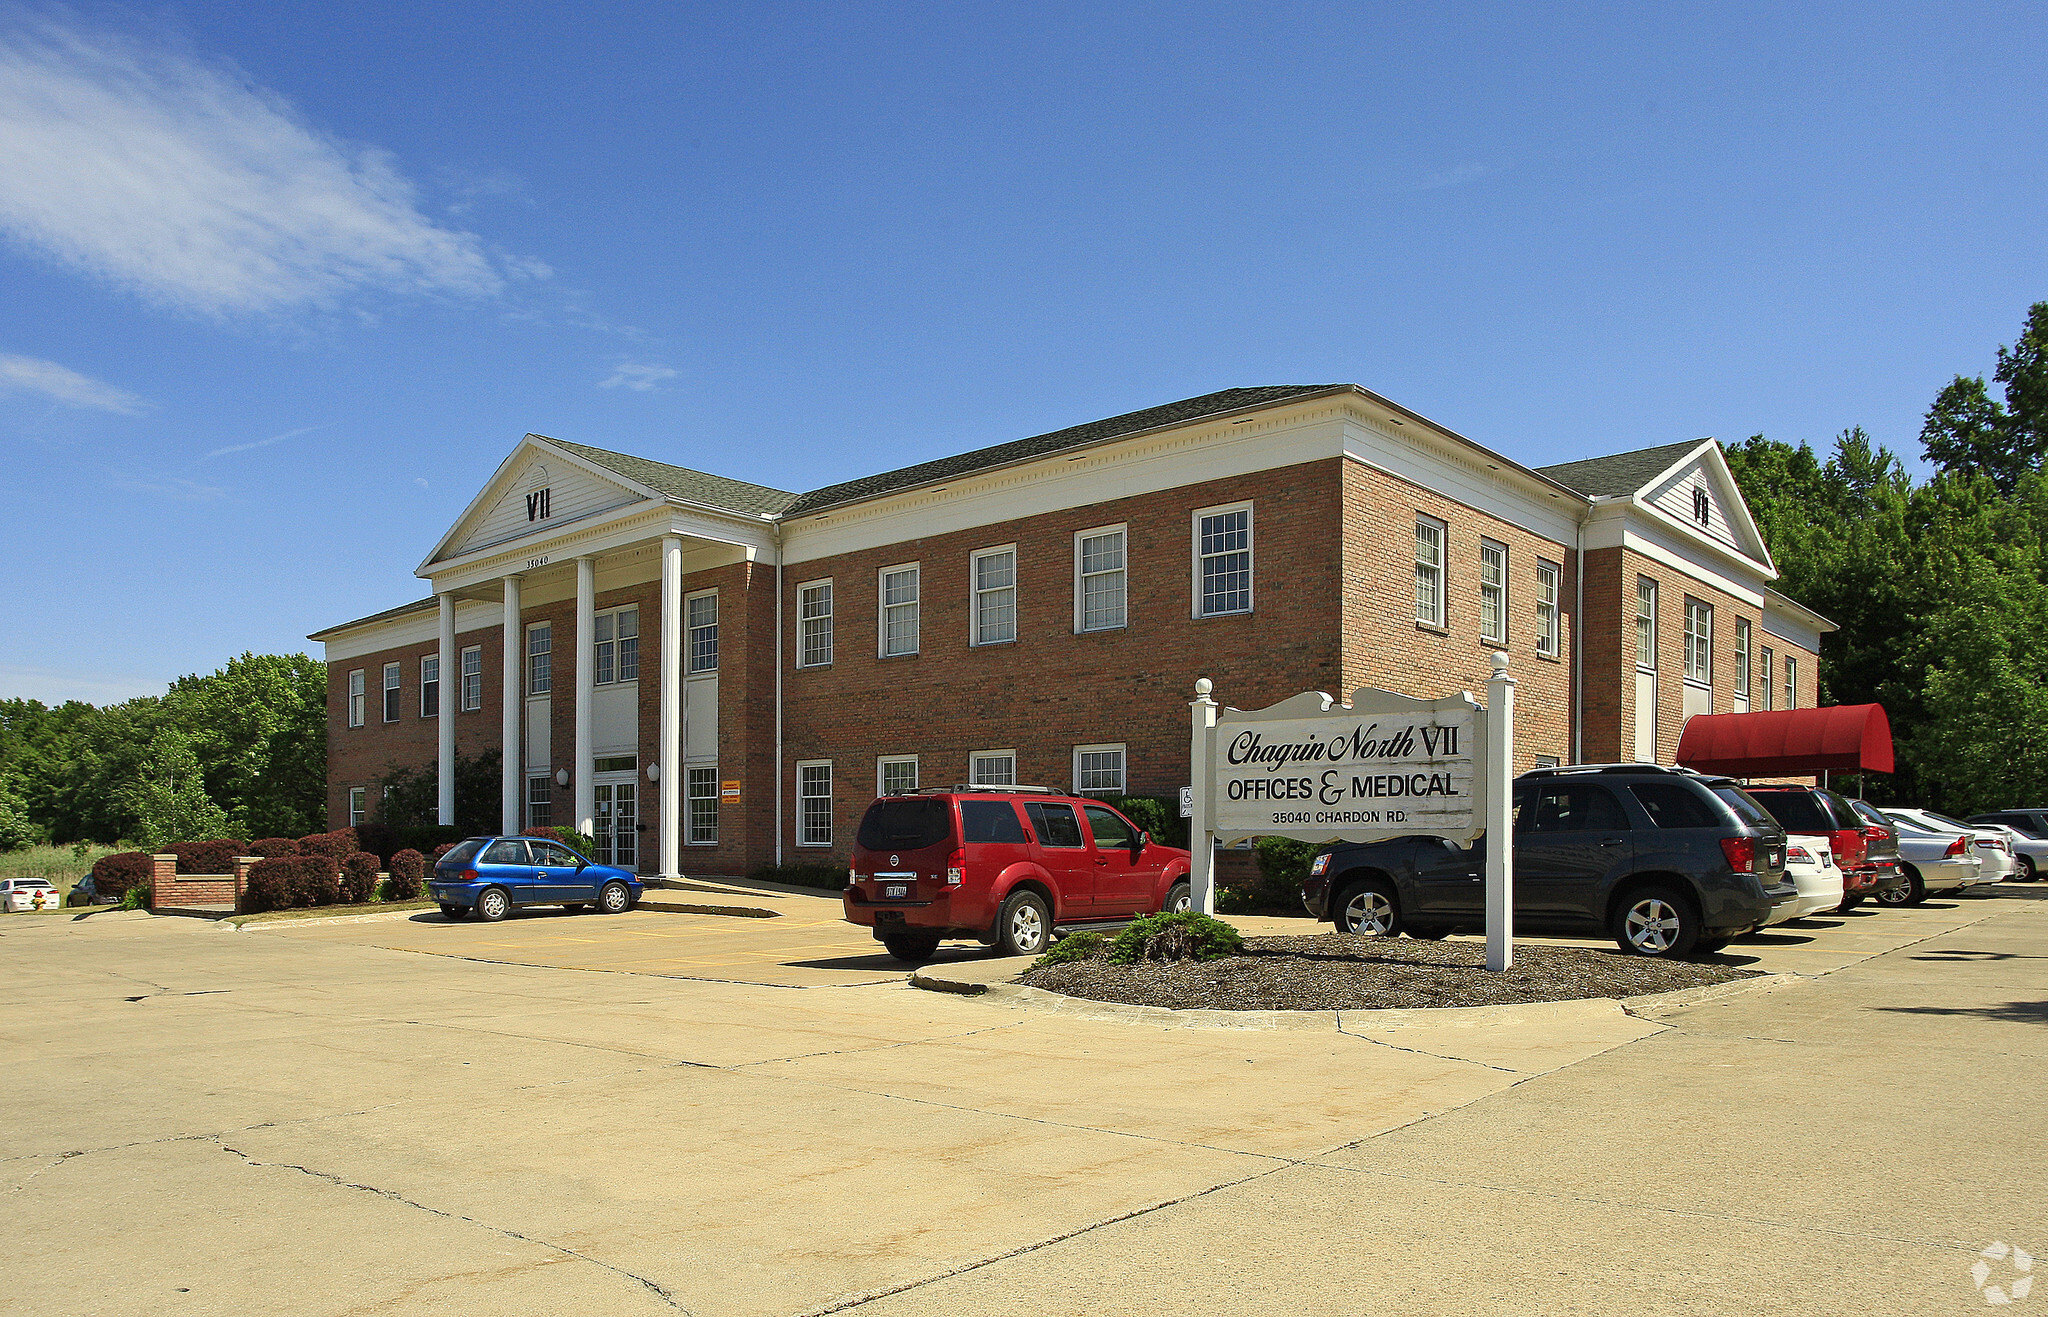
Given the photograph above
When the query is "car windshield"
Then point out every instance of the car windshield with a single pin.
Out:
(1907, 823)
(462, 854)
(906, 824)
(1869, 814)
(1957, 824)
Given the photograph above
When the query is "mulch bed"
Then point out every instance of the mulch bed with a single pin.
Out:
(1350, 972)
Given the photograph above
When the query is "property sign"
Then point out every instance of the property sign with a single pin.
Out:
(1356, 775)
(729, 793)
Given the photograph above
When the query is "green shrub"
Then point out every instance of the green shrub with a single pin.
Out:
(1186, 935)
(825, 875)
(581, 842)
(1072, 948)
(1158, 815)
(142, 896)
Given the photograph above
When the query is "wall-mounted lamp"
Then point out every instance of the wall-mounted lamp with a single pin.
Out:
(654, 772)
(561, 777)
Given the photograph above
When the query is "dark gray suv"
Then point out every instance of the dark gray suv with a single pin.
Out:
(1667, 861)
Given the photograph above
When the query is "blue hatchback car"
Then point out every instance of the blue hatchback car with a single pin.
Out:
(495, 875)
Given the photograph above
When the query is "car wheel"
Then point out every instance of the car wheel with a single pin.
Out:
(1180, 898)
(1024, 926)
(1911, 892)
(449, 911)
(492, 905)
(1656, 921)
(911, 948)
(615, 898)
(1369, 908)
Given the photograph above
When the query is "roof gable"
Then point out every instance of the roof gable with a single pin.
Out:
(534, 490)
(1689, 483)
(1621, 473)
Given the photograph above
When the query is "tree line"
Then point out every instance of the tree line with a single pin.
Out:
(1940, 586)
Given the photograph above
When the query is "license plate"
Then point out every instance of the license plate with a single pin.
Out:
(896, 890)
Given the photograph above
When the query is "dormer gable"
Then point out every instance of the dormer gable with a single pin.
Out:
(537, 489)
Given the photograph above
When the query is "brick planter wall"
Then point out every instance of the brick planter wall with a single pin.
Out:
(173, 889)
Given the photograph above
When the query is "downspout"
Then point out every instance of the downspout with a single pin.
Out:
(1578, 637)
(778, 694)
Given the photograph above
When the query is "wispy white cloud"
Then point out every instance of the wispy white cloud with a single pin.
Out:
(265, 443)
(179, 179)
(62, 384)
(638, 375)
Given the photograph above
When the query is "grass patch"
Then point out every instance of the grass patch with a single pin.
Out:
(330, 911)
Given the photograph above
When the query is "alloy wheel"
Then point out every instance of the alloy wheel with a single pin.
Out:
(1652, 925)
(1369, 912)
(1027, 928)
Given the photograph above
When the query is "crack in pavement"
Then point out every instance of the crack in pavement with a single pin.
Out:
(1416, 1051)
(649, 1285)
(878, 1047)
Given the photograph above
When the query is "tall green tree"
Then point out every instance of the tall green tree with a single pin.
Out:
(1967, 430)
(168, 796)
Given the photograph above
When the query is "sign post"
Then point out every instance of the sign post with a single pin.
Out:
(1384, 765)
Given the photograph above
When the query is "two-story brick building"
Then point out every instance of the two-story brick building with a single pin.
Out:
(709, 675)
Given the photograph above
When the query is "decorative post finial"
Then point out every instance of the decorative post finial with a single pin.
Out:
(1203, 686)
(1500, 663)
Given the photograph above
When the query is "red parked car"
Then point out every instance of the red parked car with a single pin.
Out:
(1867, 851)
(1004, 866)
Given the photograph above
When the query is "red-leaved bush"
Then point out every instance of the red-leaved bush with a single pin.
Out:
(408, 868)
(292, 882)
(271, 848)
(207, 856)
(358, 877)
(443, 849)
(340, 843)
(113, 875)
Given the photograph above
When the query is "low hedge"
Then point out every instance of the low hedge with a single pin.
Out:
(293, 882)
(271, 848)
(340, 843)
(408, 868)
(113, 875)
(359, 877)
(824, 875)
(207, 856)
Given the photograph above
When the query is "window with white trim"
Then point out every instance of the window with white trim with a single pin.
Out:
(1742, 639)
(473, 678)
(701, 643)
(701, 798)
(1429, 571)
(1223, 560)
(814, 803)
(1100, 583)
(1098, 768)
(355, 697)
(814, 624)
(1646, 623)
(993, 584)
(540, 800)
(1791, 682)
(1767, 669)
(430, 686)
(615, 646)
(895, 775)
(1548, 576)
(992, 768)
(358, 806)
(1547, 761)
(540, 658)
(1493, 592)
(1699, 642)
(391, 671)
(901, 608)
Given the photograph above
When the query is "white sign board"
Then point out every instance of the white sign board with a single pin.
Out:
(1355, 776)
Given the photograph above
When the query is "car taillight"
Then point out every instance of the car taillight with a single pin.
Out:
(1960, 846)
(469, 875)
(1741, 853)
(1798, 853)
(956, 868)
(1850, 845)
(1875, 833)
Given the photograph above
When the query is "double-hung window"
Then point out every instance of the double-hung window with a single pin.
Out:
(1099, 768)
(814, 624)
(540, 658)
(1767, 670)
(615, 649)
(355, 697)
(1223, 560)
(992, 768)
(358, 806)
(900, 594)
(1493, 592)
(701, 611)
(391, 671)
(1741, 658)
(1646, 623)
(430, 686)
(701, 791)
(1791, 682)
(1429, 571)
(1699, 642)
(896, 775)
(1548, 575)
(814, 803)
(1100, 585)
(473, 678)
(994, 572)
(540, 801)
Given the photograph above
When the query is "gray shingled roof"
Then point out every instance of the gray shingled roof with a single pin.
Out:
(680, 482)
(385, 616)
(982, 459)
(1623, 473)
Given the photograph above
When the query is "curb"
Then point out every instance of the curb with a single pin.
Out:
(663, 907)
(691, 908)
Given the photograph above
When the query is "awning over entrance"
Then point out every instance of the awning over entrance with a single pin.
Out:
(1842, 737)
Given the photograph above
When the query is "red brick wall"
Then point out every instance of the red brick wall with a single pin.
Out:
(360, 756)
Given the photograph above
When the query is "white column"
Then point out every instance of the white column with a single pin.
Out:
(670, 756)
(514, 689)
(451, 699)
(1201, 842)
(1500, 817)
(586, 687)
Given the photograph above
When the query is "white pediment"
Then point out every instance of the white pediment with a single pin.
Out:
(1700, 494)
(533, 492)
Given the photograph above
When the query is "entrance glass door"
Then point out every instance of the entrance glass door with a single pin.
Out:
(618, 814)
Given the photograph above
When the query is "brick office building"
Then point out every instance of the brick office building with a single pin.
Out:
(708, 675)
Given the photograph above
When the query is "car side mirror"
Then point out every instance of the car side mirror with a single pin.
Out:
(1140, 842)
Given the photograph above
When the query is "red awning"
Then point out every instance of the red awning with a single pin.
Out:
(1842, 737)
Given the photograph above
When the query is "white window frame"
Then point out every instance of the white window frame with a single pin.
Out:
(1699, 641)
(394, 679)
(1250, 552)
(805, 834)
(693, 834)
(915, 605)
(882, 765)
(546, 783)
(1497, 588)
(357, 701)
(820, 622)
(430, 685)
(1123, 772)
(538, 682)
(1743, 643)
(1432, 579)
(974, 758)
(358, 806)
(1549, 593)
(975, 635)
(692, 633)
(1646, 624)
(471, 693)
(1791, 681)
(602, 634)
(1122, 531)
(1767, 668)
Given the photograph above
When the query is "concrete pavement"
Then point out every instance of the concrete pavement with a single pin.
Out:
(325, 1120)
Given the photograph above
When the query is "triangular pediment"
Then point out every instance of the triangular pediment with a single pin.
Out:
(1699, 493)
(536, 489)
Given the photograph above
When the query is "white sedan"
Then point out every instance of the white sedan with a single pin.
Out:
(1989, 844)
(26, 894)
(1932, 862)
(1810, 864)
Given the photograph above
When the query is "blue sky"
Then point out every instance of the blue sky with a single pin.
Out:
(280, 285)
